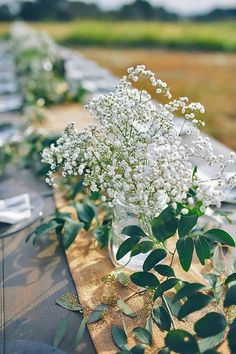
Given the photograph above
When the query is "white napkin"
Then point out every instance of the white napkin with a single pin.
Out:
(15, 209)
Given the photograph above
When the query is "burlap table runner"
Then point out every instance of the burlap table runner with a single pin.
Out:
(88, 264)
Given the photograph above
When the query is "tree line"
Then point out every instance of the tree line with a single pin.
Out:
(64, 10)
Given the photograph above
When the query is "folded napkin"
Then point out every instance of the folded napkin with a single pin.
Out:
(15, 209)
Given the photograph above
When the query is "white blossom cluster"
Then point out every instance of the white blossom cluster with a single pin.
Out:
(33, 48)
(135, 155)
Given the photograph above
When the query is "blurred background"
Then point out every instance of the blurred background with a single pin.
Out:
(189, 44)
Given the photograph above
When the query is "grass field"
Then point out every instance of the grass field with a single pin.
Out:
(184, 35)
(206, 77)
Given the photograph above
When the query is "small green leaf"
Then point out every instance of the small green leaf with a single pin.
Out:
(164, 270)
(164, 351)
(202, 249)
(69, 302)
(133, 230)
(60, 332)
(85, 214)
(142, 247)
(138, 349)
(165, 225)
(143, 335)
(144, 279)
(187, 290)
(220, 236)
(149, 325)
(125, 309)
(122, 278)
(185, 248)
(210, 325)
(232, 337)
(231, 278)
(180, 341)
(153, 258)
(127, 246)
(119, 337)
(43, 229)
(165, 286)
(230, 297)
(210, 343)
(80, 333)
(194, 303)
(71, 230)
(218, 260)
(97, 314)
(187, 223)
(101, 234)
(162, 318)
(174, 306)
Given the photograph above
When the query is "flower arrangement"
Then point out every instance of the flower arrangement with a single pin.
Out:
(136, 156)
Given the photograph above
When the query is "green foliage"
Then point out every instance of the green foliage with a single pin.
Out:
(101, 234)
(153, 258)
(60, 332)
(165, 286)
(165, 225)
(133, 230)
(144, 279)
(232, 336)
(220, 236)
(195, 302)
(125, 309)
(80, 333)
(127, 246)
(230, 298)
(186, 223)
(143, 335)
(210, 325)
(202, 249)
(119, 337)
(162, 318)
(180, 341)
(142, 247)
(71, 230)
(185, 247)
(85, 214)
(164, 270)
(187, 290)
(97, 314)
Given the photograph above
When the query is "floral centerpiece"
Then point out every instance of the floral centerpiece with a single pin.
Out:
(136, 156)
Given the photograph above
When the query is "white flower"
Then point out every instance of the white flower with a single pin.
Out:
(136, 154)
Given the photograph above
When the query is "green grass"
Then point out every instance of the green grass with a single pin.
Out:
(185, 35)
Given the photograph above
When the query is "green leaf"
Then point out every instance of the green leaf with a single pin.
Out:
(85, 214)
(209, 343)
(43, 229)
(71, 230)
(101, 234)
(138, 349)
(181, 341)
(60, 332)
(187, 223)
(142, 247)
(220, 236)
(230, 297)
(80, 333)
(162, 318)
(127, 246)
(210, 325)
(164, 351)
(125, 309)
(122, 278)
(164, 270)
(232, 337)
(153, 258)
(218, 260)
(185, 248)
(133, 230)
(231, 278)
(187, 290)
(149, 325)
(144, 279)
(165, 286)
(143, 335)
(69, 302)
(165, 225)
(194, 303)
(202, 249)
(119, 337)
(97, 314)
